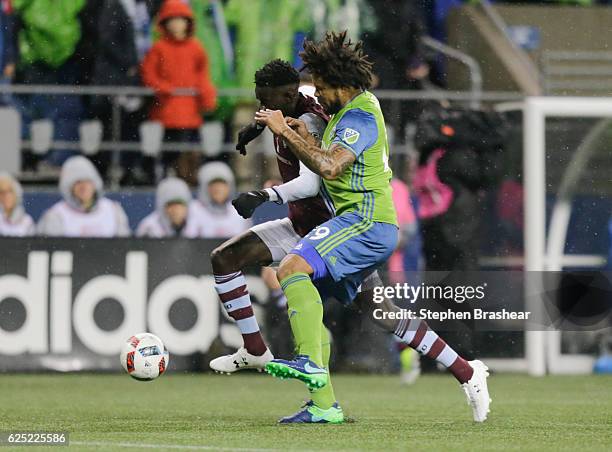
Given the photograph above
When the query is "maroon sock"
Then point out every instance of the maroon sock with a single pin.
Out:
(417, 334)
(235, 298)
(462, 370)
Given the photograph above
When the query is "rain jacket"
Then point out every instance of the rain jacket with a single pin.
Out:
(172, 64)
(157, 224)
(219, 220)
(51, 30)
(67, 218)
(19, 223)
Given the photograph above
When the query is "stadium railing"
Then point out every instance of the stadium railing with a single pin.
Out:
(10, 158)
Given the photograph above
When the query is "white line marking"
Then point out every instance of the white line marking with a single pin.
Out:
(166, 446)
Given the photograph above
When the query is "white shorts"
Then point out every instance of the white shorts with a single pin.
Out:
(279, 236)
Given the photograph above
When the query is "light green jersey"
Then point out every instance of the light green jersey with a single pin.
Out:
(364, 187)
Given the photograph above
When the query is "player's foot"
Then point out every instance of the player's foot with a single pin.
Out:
(477, 392)
(301, 368)
(312, 414)
(240, 360)
(411, 366)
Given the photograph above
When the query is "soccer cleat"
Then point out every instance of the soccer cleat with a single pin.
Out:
(240, 360)
(301, 368)
(312, 414)
(477, 392)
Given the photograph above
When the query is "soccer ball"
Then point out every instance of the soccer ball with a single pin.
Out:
(144, 357)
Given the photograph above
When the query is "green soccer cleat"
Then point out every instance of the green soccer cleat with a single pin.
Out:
(312, 414)
(301, 368)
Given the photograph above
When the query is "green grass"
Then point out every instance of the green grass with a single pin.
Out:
(239, 412)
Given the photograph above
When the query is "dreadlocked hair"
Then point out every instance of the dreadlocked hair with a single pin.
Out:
(277, 73)
(338, 61)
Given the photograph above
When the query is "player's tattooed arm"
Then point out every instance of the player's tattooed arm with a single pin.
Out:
(328, 163)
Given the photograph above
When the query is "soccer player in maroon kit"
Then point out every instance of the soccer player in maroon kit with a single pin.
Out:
(277, 86)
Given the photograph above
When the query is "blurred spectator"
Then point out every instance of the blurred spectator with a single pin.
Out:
(212, 30)
(407, 224)
(47, 38)
(460, 157)
(174, 214)
(8, 49)
(124, 37)
(177, 61)
(355, 16)
(14, 221)
(50, 30)
(263, 30)
(84, 212)
(86, 50)
(510, 212)
(394, 44)
(214, 207)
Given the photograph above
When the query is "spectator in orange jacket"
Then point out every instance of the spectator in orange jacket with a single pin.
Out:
(176, 61)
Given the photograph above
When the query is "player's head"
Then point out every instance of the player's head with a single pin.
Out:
(338, 67)
(276, 86)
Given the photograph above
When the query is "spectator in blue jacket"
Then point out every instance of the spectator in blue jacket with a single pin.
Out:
(8, 48)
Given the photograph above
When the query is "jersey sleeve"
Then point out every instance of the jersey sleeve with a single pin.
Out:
(356, 130)
(315, 124)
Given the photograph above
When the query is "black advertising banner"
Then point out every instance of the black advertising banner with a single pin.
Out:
(69, 304)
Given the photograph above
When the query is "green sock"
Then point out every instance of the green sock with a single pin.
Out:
(305, 311)
(324, 398)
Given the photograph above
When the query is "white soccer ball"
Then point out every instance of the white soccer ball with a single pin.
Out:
(144, 357)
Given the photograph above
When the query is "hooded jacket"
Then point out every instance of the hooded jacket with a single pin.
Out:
(158, 225)
(19, 223)
(173, 64)
(218, 220)
(68, 219)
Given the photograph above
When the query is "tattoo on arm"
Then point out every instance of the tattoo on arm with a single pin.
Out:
(327, 163)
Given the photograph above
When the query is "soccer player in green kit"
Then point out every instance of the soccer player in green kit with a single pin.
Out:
(334, 258)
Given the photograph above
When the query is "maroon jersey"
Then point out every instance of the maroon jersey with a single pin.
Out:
(305, 214)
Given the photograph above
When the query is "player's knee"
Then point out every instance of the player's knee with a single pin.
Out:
(291, 264)
(220, 259)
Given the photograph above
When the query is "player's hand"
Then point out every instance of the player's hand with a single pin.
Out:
(274, 119)
(247, 134)
(246, 203)
(298, 126)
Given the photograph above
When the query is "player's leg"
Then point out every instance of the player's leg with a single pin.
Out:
(322, 408)
(263, 244)
(416, 334)
(325, 397)
(227, 261)
(409, 358)
(333, 239)
(305, 310)
(277, 295)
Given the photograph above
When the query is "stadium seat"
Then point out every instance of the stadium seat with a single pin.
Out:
(211, 138)
(151, 137)
(10, 126)
(41, 135)
(90, 135)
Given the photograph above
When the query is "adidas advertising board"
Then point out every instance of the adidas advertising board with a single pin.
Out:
(77, 300)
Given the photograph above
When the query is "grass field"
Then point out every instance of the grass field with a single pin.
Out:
(239, 413)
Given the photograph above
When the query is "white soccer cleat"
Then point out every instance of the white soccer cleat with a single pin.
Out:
(477, 392)
(240, 360)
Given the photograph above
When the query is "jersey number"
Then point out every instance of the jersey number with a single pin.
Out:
(319, 233)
